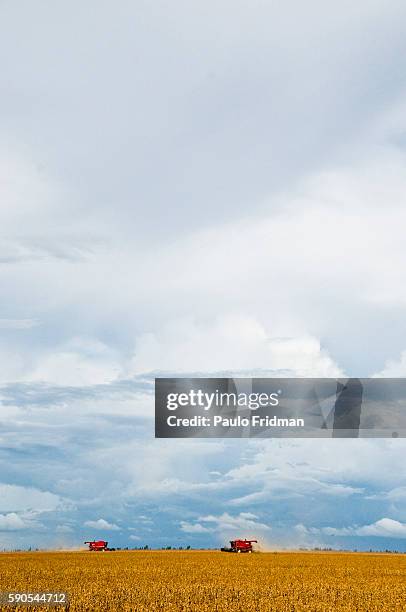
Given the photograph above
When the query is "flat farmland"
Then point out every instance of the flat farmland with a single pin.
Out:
(174, 581)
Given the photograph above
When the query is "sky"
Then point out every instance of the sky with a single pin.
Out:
(196, 188)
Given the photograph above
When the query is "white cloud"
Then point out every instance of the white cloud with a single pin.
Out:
(230, 343)
(294, 469)
(385, 528)
(64, 529)
(294, 487)
(395, 494)
(394, 368)
(245, 523)
(13, 522)
(18, 323)
(285, 316)
(26, 192)
(80, 362)
(135, 538)
(194, 527)
(292, 267)
(20, 498)
(101, 525)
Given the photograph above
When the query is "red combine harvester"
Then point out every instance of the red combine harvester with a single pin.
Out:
(98, 545)
(240, 546)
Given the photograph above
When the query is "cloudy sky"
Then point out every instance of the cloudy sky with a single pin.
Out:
(196, 187)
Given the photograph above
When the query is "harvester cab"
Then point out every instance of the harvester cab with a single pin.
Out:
(240, 546)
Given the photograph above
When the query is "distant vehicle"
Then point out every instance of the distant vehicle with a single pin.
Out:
(98, 546)
(240, 546)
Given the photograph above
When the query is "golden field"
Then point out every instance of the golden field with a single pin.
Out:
(148, 581)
